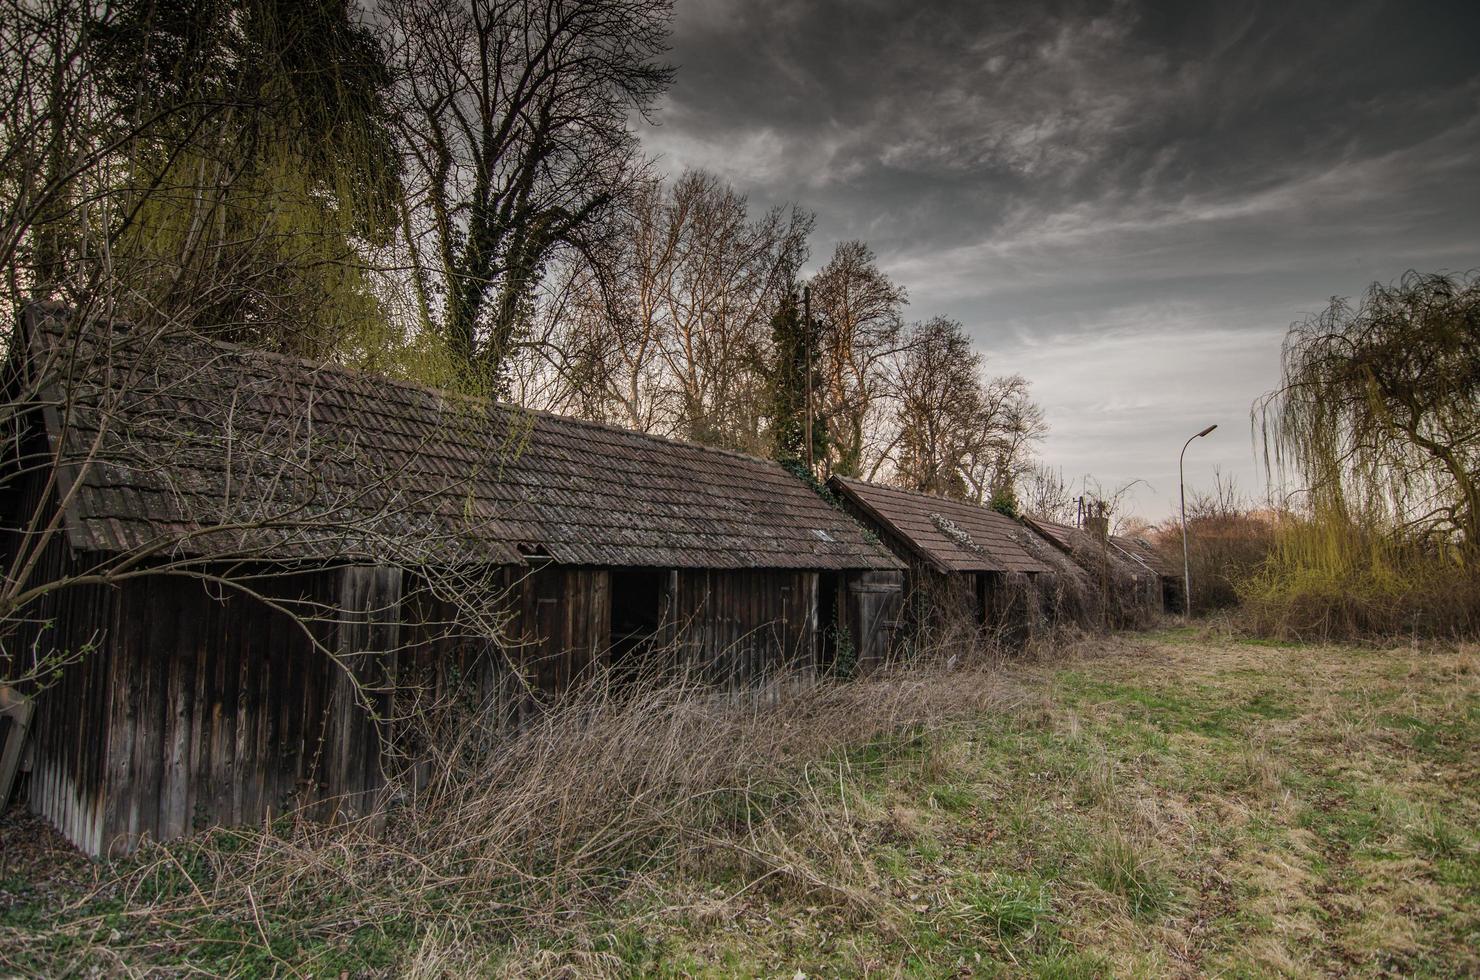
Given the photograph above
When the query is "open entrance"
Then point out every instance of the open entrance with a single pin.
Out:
(829, 598)
(1171, 595)
(984, 598)
(637, 612)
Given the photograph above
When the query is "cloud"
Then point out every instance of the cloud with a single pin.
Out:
(1114, 196)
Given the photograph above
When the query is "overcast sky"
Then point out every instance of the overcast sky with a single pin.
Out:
(1127, 203)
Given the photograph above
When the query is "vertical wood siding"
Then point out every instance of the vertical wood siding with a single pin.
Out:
(203, 709)
(68, 755)
(737, 628)
(873, 607)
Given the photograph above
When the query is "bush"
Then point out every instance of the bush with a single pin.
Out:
(1227, 541)
(1331, 578)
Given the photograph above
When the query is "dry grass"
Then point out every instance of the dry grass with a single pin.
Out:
(1183, 803)
(603, 802)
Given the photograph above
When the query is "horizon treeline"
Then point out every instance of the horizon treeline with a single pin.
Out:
(454, 193)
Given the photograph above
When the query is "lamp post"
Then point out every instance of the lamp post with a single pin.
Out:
(1186, 563)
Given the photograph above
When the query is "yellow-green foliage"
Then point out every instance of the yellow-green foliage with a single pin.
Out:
(253, 206)
(266, 254)
(1333, 576)
(1378, 424)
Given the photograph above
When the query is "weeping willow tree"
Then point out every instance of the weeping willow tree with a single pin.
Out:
(1379, 413)
(1378, 422)
(248, 207)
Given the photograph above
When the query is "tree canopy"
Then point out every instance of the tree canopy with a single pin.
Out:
(1378, 416)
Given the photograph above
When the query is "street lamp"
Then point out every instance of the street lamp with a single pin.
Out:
(1186, 563)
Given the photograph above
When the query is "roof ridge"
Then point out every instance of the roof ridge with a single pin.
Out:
(955, 501)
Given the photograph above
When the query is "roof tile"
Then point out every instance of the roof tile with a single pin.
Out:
(951, 534)
(207, 446)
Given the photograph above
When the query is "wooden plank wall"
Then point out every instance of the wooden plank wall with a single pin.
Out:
(873, 605)
(736, 628)
(68, 730)
(1017, 603)
(564, 626)
(219, 712)
(214, 708)
(207, 707)
(357, 725)
(68, 735)
(554, 623)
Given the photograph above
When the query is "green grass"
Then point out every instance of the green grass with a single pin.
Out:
(1173, 804)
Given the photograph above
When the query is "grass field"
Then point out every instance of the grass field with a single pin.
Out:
(1176, 803)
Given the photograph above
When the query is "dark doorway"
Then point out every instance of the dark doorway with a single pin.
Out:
(1171, 595)
(828, 600)
(637, 613)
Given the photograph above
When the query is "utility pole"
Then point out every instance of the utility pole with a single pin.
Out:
(807, 343)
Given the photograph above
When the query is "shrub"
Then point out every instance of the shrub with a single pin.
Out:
(1329, 577)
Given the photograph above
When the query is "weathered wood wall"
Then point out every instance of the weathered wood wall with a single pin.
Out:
(874, 605)
(930, 600)
(737, 628)
(218, 709)
(207, 706)
(556, 626)
(67, 759)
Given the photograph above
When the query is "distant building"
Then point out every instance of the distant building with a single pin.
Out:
(1143, 578)
(963, 560)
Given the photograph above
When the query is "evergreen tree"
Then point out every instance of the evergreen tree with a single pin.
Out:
(1004, 500)
(787, 380)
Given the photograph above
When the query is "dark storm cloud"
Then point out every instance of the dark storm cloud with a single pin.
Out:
(1102, 177)
(923, 121)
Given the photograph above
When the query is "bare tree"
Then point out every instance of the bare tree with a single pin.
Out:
(1011, 424)
(860, 330)
(668, 328)
(938, 407)
(717, 306)
(57, 139)
(956, 433)
(513, 120)
(1045, 494)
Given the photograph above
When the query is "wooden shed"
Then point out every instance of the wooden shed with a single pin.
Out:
(1156, 582)
(1168, 574)
(1128, 590)
(251, 557)
(962, 560)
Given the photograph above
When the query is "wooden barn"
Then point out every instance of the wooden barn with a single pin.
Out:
(1155, 583)
(1168, 573)
(238, 562)
(961, 559)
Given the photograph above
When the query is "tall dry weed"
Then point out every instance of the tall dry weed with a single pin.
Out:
(597, 805)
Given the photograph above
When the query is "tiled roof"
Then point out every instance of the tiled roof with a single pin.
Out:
(1143, 551)
(1136, 554)
(1060, 534)
(952, 535)
(209, 448)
